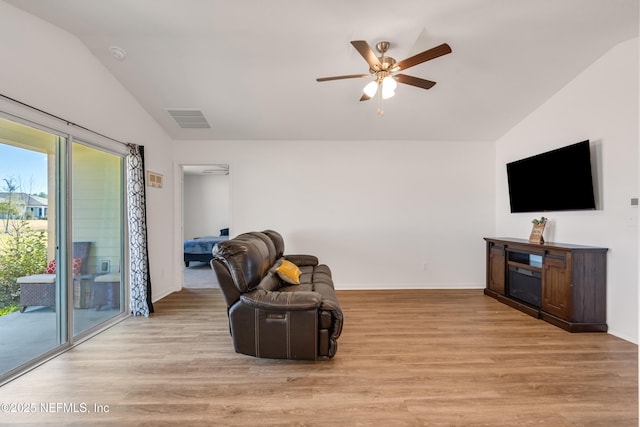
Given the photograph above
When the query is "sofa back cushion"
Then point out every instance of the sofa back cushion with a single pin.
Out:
(272, 255)
(247, 259)
(277, 240)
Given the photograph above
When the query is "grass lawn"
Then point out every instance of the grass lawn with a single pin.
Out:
(35, 224)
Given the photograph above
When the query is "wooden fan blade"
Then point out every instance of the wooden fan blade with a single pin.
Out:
(365, 97)
(350, 76)
(414, 81)
(365, 50)
(427, 55)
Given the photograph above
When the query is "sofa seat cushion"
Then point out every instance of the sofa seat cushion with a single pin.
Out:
(314, 279)
(316, 274)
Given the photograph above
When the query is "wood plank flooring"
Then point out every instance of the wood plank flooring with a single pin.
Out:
(405, 358)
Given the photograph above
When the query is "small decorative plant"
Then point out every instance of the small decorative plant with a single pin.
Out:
(537, 221)
(538, 229)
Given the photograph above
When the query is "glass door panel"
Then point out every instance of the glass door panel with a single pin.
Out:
(32, 307)
(97, 206)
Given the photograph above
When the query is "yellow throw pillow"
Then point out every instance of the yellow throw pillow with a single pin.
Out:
(289, 272)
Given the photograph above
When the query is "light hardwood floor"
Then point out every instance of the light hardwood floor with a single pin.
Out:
(409, 357)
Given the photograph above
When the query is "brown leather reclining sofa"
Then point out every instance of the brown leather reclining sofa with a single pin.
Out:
(269, 317)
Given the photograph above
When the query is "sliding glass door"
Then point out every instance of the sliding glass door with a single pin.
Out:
(32, 299)
(61, 242)
(97, 236)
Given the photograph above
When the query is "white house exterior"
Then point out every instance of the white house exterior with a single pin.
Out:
(28, 205)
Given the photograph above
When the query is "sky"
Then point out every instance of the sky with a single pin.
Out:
(27, 168)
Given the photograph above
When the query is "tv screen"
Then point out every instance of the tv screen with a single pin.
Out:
(558, 180)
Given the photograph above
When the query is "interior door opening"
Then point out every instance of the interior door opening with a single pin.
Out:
(205, 220)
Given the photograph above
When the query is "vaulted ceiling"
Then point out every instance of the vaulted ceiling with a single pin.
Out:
(250, 65)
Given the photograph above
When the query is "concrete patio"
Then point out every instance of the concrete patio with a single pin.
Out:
(25, 336)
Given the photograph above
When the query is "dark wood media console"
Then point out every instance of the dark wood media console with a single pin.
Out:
(563, 284)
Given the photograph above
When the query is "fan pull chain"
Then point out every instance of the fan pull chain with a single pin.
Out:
(380, 100)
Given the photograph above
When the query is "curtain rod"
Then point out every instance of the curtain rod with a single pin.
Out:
(67, 122)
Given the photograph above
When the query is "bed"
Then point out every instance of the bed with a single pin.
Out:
(199, 249)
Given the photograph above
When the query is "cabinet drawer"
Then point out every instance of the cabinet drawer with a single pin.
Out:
(555, 259)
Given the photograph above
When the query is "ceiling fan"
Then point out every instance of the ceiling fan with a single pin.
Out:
(385, 69)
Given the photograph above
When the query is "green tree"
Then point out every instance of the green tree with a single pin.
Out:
(23, 253)
(9, 206)
(8, 209)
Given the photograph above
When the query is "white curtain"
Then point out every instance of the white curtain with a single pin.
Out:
(140, 280)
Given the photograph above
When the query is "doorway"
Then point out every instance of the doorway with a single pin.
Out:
(205, 220)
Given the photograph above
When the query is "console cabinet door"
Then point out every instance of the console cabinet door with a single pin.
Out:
(556, 285)
(497, 269)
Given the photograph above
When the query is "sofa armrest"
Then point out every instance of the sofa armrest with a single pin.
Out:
(302, 260)
(274, 300)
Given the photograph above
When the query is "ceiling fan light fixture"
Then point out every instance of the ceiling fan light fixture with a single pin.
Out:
(383, 67)
(389, 82)
(389, 85)
(371, 88)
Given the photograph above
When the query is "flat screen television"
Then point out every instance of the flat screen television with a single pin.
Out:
(558, 180)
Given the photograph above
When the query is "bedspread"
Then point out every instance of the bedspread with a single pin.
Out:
(199, 249)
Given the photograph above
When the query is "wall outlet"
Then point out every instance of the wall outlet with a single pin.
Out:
(105, 266)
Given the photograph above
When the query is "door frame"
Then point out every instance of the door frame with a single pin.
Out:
(178, 173)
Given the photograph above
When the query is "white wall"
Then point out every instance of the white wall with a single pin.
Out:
(601, 105)
(205, 205)
(50, 69)
(375, 212)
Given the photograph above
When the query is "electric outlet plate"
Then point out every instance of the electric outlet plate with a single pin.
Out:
(105, 266)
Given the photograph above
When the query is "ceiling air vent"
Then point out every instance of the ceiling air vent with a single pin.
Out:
(189, 119)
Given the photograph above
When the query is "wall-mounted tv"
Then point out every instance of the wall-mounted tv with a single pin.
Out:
(558, 180)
